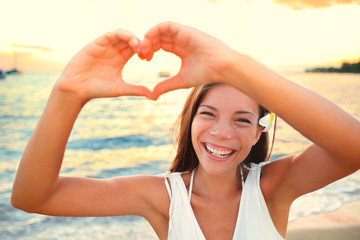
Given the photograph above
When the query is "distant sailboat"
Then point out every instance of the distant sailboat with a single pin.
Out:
(14, 70)
(2, 74)
(164, 74)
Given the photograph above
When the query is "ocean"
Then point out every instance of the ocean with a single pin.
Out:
(130, 135)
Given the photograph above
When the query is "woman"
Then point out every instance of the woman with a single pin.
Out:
(219, 134)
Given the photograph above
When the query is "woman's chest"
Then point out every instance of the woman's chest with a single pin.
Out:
(217, 220)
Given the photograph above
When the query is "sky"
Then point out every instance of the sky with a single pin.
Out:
(282, 34)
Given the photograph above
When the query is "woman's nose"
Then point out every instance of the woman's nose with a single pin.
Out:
(221, 132)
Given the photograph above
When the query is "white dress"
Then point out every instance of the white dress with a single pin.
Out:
(253, 221)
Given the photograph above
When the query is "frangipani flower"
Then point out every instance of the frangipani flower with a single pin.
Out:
(266, 121)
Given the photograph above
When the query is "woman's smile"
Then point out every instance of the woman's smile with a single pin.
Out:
(217, 152)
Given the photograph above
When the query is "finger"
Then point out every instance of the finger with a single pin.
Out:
(119, 36)
(111, 38)
(159, 37)
(168, 85)
(134, 44)
(126, 36)
(135, 90)
(146, 50)
(149, 46)
(168, 28)
(169, 36)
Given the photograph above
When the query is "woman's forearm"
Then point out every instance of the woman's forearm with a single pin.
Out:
(312, 115)
(38, 172)
(94, 72)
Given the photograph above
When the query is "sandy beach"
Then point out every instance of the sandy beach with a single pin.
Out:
(342, 224)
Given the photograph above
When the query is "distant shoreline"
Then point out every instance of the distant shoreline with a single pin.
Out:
(345, 68)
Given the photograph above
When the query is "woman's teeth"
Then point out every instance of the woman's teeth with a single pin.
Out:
(217, 152)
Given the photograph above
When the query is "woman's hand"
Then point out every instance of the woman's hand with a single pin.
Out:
(96, 71)
(203, 57)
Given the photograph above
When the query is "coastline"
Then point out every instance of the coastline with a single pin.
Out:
(343, 224)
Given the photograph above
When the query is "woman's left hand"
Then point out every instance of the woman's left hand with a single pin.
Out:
(203, 57)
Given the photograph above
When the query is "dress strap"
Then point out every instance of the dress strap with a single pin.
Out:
(191, 183)
(167, 183)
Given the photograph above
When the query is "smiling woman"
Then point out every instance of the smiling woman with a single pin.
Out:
(196, 109)
(220, 185)
(224, 126)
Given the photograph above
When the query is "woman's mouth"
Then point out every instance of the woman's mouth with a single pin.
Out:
(219, 152)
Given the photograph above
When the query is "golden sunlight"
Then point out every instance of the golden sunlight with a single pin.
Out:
(275, 35)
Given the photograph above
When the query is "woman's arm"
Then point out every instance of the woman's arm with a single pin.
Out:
(335, 152)
(37, 175)
(335, 133)
(317, 118)
(96, 71)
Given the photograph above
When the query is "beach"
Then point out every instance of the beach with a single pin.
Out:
(343, 224)
(126, 136)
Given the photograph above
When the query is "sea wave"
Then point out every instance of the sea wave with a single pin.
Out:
(129, 141)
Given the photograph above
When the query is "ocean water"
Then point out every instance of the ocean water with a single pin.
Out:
(129, 135)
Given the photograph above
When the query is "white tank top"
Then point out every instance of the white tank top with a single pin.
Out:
(253, 221)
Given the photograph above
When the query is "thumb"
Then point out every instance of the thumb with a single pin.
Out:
(135, 90)
(168, 85)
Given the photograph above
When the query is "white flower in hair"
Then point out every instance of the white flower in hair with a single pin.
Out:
(266, 121)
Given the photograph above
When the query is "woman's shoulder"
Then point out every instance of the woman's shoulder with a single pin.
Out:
(273, 175)
(275, 168)
(154, 192)
(154, 183)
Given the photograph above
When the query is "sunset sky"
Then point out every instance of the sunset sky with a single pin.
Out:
(283, 34)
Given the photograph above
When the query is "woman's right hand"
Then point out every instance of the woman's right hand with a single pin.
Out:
(203, 57)
(96, 71)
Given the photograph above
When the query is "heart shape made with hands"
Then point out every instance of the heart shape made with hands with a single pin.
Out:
(160, 68)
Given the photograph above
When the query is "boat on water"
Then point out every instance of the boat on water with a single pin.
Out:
(164, 74)
(2, 74)
(13, 71)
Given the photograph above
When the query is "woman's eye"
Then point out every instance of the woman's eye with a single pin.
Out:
(243, 120)
(207, 114)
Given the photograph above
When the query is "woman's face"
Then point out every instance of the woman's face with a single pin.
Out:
(224, 129)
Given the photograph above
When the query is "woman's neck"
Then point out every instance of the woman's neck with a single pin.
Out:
(216, 186)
